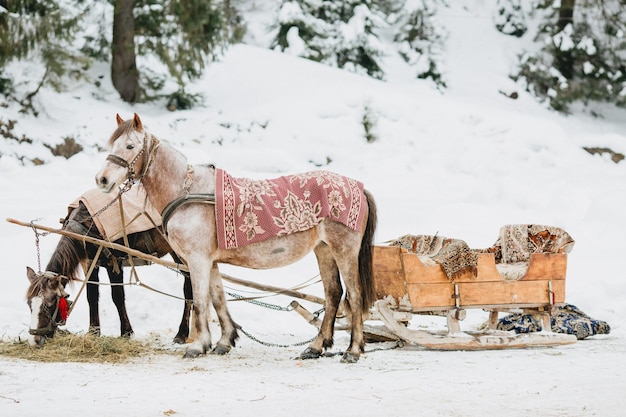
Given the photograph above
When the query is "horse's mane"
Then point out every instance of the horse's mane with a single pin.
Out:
(66, 257)
(123, 128)
(70, 252)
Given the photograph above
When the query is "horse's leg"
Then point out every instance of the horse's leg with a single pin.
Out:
(332, 294)
(199, 269)
(183, 329)
(93, 298)
(229, 328)
(119, 297)
(348, 265)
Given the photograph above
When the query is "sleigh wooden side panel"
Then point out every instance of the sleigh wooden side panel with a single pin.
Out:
(409, 281)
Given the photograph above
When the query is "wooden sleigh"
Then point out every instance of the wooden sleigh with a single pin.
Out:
(406, 284)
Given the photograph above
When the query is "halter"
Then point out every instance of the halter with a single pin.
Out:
(148, 157)
(52, 325)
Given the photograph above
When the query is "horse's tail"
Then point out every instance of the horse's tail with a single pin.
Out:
(366, 268)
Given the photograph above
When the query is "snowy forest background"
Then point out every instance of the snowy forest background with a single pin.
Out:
(156, 48)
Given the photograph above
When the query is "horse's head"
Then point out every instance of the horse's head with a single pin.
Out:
(48, 304)
(130, 154)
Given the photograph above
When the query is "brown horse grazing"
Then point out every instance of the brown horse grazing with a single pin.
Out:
(48, 304)
(42, 293)
(192, 231)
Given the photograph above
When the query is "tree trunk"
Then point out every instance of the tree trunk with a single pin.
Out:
(566, 14)
(564, 60)
(124, 73)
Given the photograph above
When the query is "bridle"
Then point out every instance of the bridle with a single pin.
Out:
(148, 158)
(52, 323)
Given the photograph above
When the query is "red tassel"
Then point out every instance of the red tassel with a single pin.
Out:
(63, 309)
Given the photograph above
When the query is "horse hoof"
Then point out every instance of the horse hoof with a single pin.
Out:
(191, 354)
(310, 353)
(349, 358)
(179, 340)
(220, 350)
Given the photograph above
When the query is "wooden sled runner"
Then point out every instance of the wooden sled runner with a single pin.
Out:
(406, 284)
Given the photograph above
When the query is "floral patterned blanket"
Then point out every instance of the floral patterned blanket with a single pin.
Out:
(250, 211)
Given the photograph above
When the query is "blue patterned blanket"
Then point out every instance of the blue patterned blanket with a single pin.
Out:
(568, 319)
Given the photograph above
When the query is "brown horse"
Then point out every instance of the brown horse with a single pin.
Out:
(343, 253)
(46, 289)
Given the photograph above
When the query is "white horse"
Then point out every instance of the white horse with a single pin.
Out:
(343, 253)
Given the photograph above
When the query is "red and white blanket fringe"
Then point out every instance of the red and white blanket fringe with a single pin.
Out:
(250, 211)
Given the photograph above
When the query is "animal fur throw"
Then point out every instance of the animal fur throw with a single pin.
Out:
(454, 256)
(516, 242)
(250, 211)
(109, 222)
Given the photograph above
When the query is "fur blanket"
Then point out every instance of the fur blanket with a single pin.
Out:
(454, 256)
(250, 211)
(109, 222)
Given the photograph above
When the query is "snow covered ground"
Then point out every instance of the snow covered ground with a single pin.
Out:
(461, 164)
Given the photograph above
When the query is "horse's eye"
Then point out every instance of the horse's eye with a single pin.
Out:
(130, 146)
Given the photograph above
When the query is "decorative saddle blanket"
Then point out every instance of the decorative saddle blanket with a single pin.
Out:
(109, 222)
(250, 211)
(454, 256)
(567, 319)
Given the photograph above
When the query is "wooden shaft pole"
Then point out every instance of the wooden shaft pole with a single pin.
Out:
(105, 243)
(159, 261)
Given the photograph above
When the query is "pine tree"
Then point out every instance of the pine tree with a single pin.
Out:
(40, 31)
(183, 35)
(584, 54)
(339, 33)
(511, 17)
(420, 39)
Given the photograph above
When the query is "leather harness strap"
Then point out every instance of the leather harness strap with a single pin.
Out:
(181, 201)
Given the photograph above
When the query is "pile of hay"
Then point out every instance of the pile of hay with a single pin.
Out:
(87, 348)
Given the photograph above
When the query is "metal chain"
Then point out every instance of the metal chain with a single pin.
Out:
(37, 234)
(306, 342)
(125, 187)
(239, 297)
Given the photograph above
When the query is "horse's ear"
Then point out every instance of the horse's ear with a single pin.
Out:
(30, 273)
(137, 123)
(118, 119)
(57, 281)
